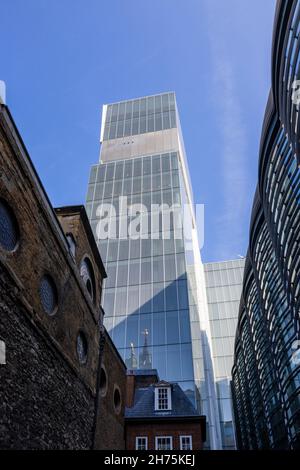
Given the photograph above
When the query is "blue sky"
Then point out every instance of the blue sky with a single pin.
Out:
(63, 59)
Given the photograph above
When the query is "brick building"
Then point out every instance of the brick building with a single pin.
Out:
(62, 381)
(159, 416)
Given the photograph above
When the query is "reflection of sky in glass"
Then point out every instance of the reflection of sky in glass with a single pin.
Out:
(146, 289)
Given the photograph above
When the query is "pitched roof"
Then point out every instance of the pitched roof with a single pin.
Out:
(143, 406)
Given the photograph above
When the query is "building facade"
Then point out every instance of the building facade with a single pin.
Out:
(159, 415)
(51, 388)
(266, 372)
(224, 282)
(154, 297)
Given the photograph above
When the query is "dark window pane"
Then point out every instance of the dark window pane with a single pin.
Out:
(159, 328)
(171, 296)
(183, 294)
(173, 363)
(146, 298)
(146, 324)
(119, 332)
(160, 360)
(132, 333)
(185, 330)
(172, 327)
(187, 362)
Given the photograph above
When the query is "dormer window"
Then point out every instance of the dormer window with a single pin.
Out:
(163, 399)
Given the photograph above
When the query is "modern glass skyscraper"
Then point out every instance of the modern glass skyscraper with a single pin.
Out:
(154, 297)
(224, 283)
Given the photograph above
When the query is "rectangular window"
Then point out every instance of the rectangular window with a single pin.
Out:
(186, 443)
(141, 443)
(164, 443)
(163, 398)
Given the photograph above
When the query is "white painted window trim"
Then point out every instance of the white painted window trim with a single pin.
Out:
(163, 437)
(141, 437)
(157, 400)
(184, 437)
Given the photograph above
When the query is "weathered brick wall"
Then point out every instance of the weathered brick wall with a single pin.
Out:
(111, 436)
(44, 403)
(174, 429)
(47, 396)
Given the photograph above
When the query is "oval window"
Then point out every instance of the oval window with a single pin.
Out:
(9, 230)
(48, 295)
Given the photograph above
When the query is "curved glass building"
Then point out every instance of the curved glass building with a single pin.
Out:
(266, 372)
